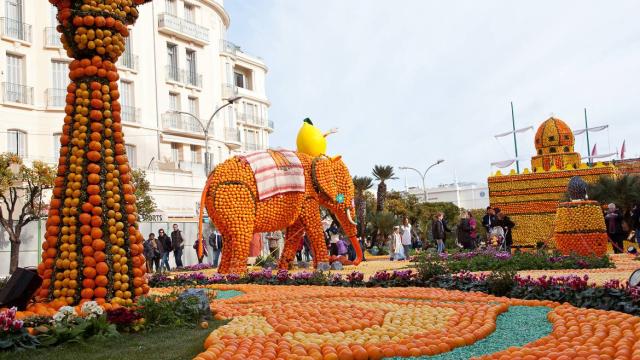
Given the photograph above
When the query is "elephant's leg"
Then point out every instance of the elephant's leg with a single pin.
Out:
(313, 226)
(292, 240)
(235, 208)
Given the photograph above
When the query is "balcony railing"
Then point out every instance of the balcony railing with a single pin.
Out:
(252, 119)
(229, 47)
(188, 77)
(271, 125)
(129, 61)
(232, 135)
(130, 114)
(251, 147)
(17, 93)
(229, 91)
(183, 26)
(180, 122)
(15, 29)
(52, 38)
(56, 97)
(195, 167)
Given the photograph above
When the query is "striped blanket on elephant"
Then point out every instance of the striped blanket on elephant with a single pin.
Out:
(276, 172)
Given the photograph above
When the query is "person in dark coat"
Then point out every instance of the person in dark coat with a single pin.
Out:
(151, 253)
(507, 225)
(464, 232)
(438, 233)
(205, 252)
(164, 246)
(215, 241)
(177, 243)
(489, 219)
(613, 219)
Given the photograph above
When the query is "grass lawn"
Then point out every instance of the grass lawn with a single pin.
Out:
(157, 344)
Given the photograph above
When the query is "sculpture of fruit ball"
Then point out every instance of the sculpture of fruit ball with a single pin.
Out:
(93, 249)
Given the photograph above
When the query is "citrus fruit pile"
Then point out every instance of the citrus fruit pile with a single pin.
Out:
(93, 249)
(307, 322)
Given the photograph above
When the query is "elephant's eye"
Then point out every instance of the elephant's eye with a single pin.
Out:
(340, 198)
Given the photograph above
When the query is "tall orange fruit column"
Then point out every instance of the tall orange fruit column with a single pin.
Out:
(92, 248)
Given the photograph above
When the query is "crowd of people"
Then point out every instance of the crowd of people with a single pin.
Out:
(158, 249)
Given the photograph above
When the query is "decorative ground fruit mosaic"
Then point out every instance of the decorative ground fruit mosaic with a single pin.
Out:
(309, 322)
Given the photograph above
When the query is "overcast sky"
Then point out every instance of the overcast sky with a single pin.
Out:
(409, 82)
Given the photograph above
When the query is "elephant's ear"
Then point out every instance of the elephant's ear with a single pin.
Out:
(324, 177)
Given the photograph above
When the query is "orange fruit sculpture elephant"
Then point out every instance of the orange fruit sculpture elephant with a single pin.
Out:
(232, 202)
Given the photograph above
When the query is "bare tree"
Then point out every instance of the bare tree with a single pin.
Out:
(21, 197)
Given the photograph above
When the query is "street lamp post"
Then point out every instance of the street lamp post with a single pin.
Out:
(205, 129)
(423, 176)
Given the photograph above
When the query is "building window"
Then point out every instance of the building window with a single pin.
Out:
(189, 13)
(239, 79)
(127, 101)
(195, 154)
(60, 74)
(132, 155)
(552, 138)
(566, 149)
(231, 123)
(14, 89)
(171, 7)
(174, 101)
(13, 26)
(56, 147)
(176, 152)
(191, 68)
(127, 59)
(194, 107)
(17, 142)
(539, 151)
(172, 61)
(552, 149)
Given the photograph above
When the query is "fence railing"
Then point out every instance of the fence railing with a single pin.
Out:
(253, 119)
(188, 77)
(130, 114)
(183, 26)
(56, 97)
(229, 47)
(52, 37)
(15, 29)
(232, 135)
(17, 93)
(251, 147)
(181, 122)
(129, 61)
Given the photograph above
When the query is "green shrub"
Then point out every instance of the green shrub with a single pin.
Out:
(501, 282)
(170, 310)
(430, 267)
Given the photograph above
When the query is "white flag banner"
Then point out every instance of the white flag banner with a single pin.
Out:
(593, 129)
(503, 164)
(516, 131)
(600, 156)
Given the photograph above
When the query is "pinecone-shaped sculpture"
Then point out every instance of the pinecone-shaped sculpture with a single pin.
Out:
(93, 249)
(580, 227)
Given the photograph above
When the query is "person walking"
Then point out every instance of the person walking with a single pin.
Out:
(507, 225)
(164, 245)
(205, 252)
(151, 253)
(464, 232)
(215, 241)
(613, 219)
(396, 249)
(473, 224)
(438, 232)
(177, 243)
(405, 236)
(273, 240)
(334, 237)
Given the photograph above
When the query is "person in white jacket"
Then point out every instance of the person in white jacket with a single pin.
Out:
(397, 250)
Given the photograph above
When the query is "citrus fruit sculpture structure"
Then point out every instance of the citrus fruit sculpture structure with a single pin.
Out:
(531, 198)
(93, 249)
(580, 227)
(231, 200)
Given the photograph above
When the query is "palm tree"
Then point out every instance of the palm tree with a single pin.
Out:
(384, 222)
(361, 184)
(382, 173)
(624, 191)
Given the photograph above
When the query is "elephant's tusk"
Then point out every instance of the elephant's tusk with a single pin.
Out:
(349, 217)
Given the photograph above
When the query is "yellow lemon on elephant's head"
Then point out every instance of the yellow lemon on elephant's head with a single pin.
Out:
(310, 140)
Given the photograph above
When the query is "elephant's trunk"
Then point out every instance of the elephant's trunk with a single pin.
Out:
(356, 245)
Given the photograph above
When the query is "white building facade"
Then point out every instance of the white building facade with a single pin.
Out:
(177, 59)
(465, 195)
